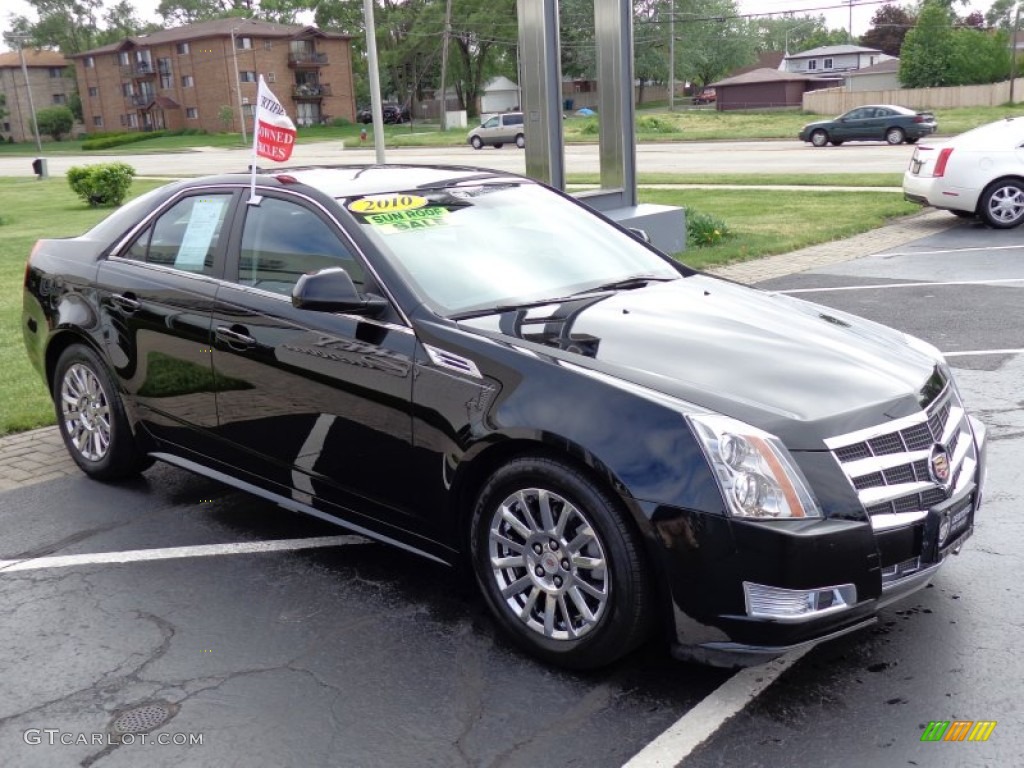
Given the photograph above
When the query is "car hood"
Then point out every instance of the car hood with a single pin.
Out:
(799, 370)
(818, 124)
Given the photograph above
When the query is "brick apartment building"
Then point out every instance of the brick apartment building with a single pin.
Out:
(49, 88)
(183, 77)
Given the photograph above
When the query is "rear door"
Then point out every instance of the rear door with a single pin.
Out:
(315, 405)
(156, 300)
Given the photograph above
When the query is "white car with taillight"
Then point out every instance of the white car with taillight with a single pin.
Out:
(978, 173)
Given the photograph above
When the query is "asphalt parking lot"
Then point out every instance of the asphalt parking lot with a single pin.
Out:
(349, 653)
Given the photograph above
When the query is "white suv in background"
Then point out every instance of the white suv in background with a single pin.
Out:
(978, 173)
(499, 130)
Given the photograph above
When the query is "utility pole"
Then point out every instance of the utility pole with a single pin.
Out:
(672, 56)
(238, 84)
(444, 63)
(21, 40)
(371, 56)
(1013, 50)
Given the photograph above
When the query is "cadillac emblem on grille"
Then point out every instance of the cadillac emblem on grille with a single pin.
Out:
(939, 465)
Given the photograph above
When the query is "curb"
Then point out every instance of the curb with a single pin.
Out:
(27, 458)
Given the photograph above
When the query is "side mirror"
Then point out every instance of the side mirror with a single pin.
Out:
(332, 290)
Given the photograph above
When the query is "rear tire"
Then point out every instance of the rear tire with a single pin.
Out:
(92, 419)
(837, 143)
(1002, 204)
(895, 136)
(520, 141)
(819, 138)
(559, 565)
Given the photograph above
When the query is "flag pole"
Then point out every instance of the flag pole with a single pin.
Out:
(253, 198)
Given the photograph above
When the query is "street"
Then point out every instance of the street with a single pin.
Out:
(669, 157)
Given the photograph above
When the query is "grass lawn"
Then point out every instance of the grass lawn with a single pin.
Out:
(763, 222)
(652, 125)
(29, 210)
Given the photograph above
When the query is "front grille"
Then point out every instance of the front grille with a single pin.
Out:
(888, 465)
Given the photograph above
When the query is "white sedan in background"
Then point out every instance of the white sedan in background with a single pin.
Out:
(978, 173)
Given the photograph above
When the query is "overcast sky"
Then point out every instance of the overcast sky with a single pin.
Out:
(836, 12)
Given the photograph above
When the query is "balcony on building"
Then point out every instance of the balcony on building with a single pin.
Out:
(306, 59)
(139, 99)
(310, 92)
(138, 70)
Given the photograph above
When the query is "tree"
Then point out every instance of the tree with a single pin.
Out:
(788, 32)
(226, 115)
(936, 54)
(55, 121)
(179, 12)
(889, 27)
(1000, 14)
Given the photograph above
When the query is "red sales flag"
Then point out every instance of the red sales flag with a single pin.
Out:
(274, 134)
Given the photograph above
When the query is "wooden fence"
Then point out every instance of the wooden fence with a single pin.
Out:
(833, 101)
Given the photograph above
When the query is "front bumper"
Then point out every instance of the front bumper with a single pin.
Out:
(716, 621)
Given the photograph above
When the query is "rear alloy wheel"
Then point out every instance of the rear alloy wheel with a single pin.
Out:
(1002, 204)
(819, 138)
(559, 565)
(895, 136)
(91, 417)
(520, 141)
(477, 142)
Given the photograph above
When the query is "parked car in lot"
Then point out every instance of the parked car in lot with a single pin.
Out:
(499, 130)
(978, 173)
(706, 96)
(476, 368)
(881, 122)
(390, 114)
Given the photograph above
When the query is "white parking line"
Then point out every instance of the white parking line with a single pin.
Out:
(949, 250)
(996, 281)
(701, 722)
(983, 352)
(170, 553)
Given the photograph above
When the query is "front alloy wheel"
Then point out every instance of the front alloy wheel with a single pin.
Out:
(819, 138)
(1002, 204)
(559, 564)
(548, 563)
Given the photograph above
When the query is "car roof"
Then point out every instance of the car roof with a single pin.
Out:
(355, 180)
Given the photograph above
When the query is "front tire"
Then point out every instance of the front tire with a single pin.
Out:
(558, 564)
(92, 419)
(895, 136)
(1002, 204)
(477, 142)
(819, 138)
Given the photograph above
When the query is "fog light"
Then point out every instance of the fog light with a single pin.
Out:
(765, 602)
(944, 528)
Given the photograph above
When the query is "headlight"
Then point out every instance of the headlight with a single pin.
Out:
(758, 477)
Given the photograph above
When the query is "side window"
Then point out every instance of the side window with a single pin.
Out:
(513, 119)
(185, 236)
(282, 240)
(492, 123)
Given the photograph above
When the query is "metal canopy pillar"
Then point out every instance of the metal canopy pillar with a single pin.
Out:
(541, 89)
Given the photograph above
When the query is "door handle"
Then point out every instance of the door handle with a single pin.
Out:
(236, 339)
(126, 302)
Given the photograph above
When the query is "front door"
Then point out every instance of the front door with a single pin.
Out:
(322, 407)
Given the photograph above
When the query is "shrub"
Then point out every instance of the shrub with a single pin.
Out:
(55, 121)
(340, 122)
(590, 127)
(123, 138)
(703, 229)
(654, 124)
(103, 184)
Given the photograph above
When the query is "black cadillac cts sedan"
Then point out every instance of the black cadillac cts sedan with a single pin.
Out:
(476, 368)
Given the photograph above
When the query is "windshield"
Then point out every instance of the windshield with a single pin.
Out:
(496, 244)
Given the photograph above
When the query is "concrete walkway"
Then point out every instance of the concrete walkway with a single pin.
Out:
(39, 455)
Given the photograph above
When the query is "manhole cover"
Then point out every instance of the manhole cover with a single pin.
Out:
(143, 718)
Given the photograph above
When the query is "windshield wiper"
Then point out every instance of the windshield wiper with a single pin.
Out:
(628, 283)
(499, 308)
